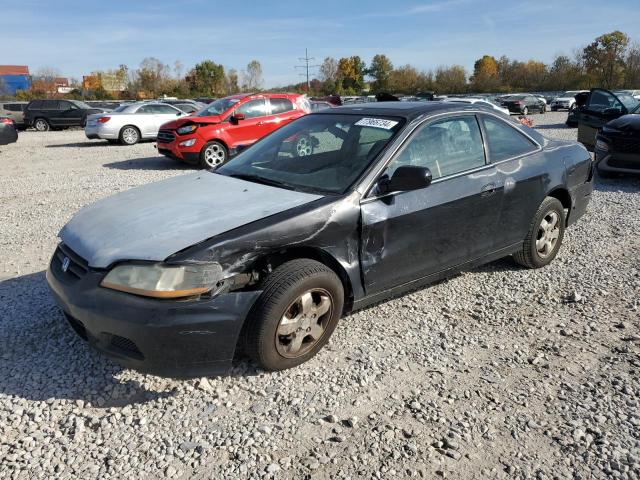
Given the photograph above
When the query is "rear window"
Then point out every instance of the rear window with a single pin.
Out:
(504, 141)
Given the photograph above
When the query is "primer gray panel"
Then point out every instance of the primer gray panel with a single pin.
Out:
(156, 220)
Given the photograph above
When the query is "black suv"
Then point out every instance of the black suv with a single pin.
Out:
(45, 114)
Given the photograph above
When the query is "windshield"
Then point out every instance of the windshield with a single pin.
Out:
(81, 104)
(218, 107)
(323, 153)
(629, 102)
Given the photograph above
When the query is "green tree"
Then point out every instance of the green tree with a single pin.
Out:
(380, 70)
(604, 59)
(207, 78)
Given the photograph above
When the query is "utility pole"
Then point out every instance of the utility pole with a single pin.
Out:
(306, 59)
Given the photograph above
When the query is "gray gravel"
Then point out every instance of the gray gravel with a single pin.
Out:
(497, 373)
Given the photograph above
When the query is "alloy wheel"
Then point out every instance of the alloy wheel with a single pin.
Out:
(130, 135)
(214, 156)
(304, 323)
(41, 125)
(548, 233)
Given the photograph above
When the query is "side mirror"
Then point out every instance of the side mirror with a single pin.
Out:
(405, 178)
(236, 117)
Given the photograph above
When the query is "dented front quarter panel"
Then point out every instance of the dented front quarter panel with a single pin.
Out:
(329, 225)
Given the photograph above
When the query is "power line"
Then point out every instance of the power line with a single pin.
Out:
(306, 59)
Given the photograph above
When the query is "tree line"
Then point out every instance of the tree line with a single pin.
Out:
(610, 61)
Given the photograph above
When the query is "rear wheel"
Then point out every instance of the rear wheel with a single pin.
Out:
(545, 235)
(525, 111)
(296, 314)
(213, 155)
(129, 135)
(41, 125)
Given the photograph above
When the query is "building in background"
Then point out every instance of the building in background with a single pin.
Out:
(13, 78)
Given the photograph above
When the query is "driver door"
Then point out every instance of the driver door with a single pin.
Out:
(68, 114)
(410, 235)
(601, 107)
(254, 126)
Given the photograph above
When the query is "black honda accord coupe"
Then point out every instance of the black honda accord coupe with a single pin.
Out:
(267, 253)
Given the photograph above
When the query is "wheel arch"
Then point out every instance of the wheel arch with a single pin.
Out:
(563, 195)
(270, 261)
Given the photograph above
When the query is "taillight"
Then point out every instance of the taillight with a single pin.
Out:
(6, 121)
(104, 119)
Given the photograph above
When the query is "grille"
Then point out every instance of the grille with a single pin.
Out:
(626, 145)
(78, 266)
(126, 346)
(166, 136)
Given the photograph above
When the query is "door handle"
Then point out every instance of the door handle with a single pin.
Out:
(488, 190)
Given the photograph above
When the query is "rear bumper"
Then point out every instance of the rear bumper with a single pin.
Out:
(94, 132)
(166, 338)
(8, 135)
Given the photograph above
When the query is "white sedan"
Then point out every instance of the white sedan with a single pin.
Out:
(478, 100)
(128, 124)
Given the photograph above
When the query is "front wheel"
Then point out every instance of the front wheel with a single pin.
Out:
(213, 155)
(545, 235)
(292, 320)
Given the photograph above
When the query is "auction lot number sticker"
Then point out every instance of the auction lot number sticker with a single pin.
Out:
(376, 123)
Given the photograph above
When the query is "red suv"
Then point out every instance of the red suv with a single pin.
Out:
(211, 135)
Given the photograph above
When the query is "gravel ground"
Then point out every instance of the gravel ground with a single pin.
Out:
(497, 373)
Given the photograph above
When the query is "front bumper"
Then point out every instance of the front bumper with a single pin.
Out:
(623, 155)
(168, 144)
(187, 338)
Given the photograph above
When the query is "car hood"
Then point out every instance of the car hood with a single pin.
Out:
(626, 123)
(177, 123)
(156, 220)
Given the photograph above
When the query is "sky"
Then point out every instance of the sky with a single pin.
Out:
(78, 37)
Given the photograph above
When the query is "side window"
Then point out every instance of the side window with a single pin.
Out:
(445, 147)
(280, 105)
(505, 141)
(62, 105)
(36, 105)
(600, 100)
(165, 110)
(253, 108)
(145, 109)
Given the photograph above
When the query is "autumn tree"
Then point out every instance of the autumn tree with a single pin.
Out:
(231, 81)
(151, 76)
(350, 75)
(485, 74)
(632, 67)
(380, 70)
(451, 79)
(252, 76)
(604, 59)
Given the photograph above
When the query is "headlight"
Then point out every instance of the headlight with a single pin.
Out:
(188, 143)
(164, 280)
(187, 129)
(600, 145)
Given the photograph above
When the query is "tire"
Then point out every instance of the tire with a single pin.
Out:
(303, 146)
(525, 111)
(213, 155)
(542, 243)
(41, 125)
(129, 135)
(543, 109)
(272, 335)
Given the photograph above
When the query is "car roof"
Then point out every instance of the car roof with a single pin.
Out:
(408, 110)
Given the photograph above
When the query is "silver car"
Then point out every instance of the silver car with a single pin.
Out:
(128, 124)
